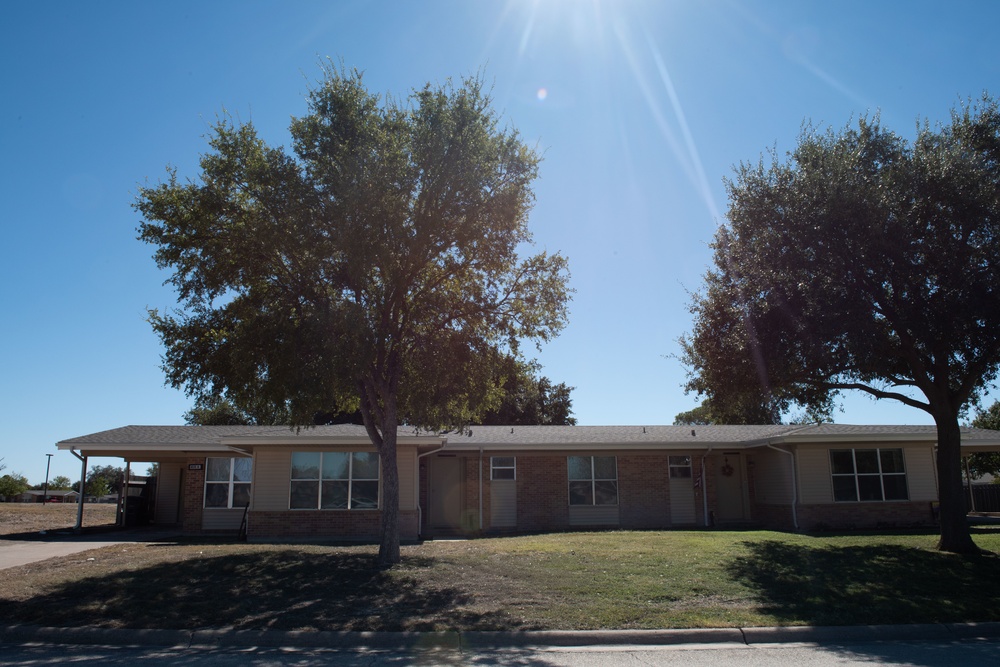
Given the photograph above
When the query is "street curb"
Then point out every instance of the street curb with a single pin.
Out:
(485, 640)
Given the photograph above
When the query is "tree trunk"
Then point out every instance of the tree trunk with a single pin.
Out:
(388, 550)
(955, 536)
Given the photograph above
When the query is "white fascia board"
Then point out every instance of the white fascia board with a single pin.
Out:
(852, 438)
(171, 447)
(930, 437)
(588, 446)
(294, 440)
(981, 446)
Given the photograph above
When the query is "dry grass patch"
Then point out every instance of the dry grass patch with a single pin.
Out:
(559, 581)
(32, 518)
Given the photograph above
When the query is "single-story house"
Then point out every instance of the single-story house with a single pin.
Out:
(52, 496)
(325, 482)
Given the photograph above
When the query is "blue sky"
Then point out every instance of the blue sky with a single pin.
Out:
(640, 109)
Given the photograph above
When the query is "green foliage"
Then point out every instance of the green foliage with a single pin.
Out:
(988, 418)
(531, 400)
(376, 267)
(748, 412)
(60, 483)
(986, 463)
(210, 411)
(102, 480)
(13, 484)
(861, 262)
(699, 416)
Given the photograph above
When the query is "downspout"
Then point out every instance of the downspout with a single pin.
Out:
(795, 485)
(83, 484)
(480, 489)
(420, 511)
(704, 484)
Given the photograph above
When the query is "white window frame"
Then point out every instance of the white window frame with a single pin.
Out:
(672, 465)
(230, 483)
(494, 467)
(881, 475)
(350, 483)
(593, 482)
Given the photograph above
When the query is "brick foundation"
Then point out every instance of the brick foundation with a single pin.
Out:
(774, 517)
(852, 516)
(360, 525)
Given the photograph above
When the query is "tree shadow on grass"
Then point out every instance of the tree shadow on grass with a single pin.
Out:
(869, 584)
(279, 590)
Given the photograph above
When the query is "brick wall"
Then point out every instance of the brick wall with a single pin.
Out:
(326, 524)
(542, 493)
(643, 491)
(193, 495)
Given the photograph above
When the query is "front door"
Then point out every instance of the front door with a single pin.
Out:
(444, 491)
(729, 487)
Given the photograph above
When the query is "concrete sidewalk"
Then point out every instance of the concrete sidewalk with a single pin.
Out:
(22, 552)
(397, 641)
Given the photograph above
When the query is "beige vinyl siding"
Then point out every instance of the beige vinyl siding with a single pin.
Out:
(406, 462)
(221, 519)
(921, 481)
(682, 509)
(772, 477)
(816, 482)
(271, 478)
(593, 515)
(503, 503)
(168, 489)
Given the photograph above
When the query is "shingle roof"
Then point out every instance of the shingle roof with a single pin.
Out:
(614, 435)
(518, 436)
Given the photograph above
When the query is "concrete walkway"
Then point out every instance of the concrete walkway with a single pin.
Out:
(22, 552)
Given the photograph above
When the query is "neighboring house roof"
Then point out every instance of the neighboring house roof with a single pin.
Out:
(51, 492)
(205, 439)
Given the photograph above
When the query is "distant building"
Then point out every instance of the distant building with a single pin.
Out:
(53, 496)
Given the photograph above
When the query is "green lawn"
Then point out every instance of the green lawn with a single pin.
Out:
(671, 579)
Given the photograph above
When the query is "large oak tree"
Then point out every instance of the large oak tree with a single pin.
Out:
(862, 262)
(375, 266)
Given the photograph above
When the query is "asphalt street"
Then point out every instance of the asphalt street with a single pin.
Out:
(915, 654)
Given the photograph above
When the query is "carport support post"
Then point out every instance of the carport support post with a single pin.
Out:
(123, 494)
(83, 485)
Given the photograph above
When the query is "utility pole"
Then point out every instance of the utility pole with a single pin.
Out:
(45, 493)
